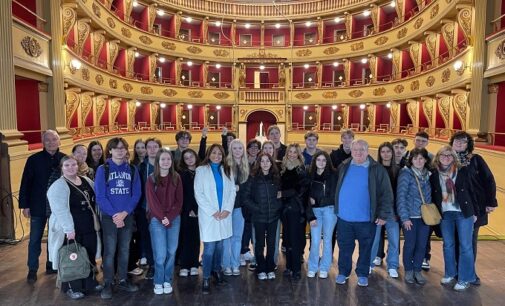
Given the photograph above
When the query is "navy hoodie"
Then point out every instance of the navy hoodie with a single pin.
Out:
(119, 194)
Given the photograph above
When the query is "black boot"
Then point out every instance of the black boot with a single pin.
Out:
(206, 286)
(219, 277)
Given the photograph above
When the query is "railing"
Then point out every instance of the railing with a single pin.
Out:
(261, 96)
(39, 21)
(498, 24)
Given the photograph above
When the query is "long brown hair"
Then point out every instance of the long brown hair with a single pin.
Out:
(157, 171)
(273, 169)
(207, 162)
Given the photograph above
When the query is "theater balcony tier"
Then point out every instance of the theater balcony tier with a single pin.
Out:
(428, 19)
(454, 73)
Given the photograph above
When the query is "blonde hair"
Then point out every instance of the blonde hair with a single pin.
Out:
(300, 158)
(243, 166)
(446, 148)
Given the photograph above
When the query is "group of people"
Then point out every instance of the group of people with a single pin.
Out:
(155, 209)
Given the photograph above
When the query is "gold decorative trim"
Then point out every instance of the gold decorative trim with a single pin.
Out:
(418, 23)
(434, 11)
(500, 50)
(113, 83)
(428, 111)
(414, 85)
(381, 40)
(331, 50)
(31, 46)
(399, 88)
(146, 90)
(379, 91)
(263, 54)
(402, 33)
(127, 87)
(356, 93)
(195, 94)
(169, 92)
(430, 81)
(168, 45)
(446, 75)
(99, 79)
(303, 95)
(85, 74)
(303, 53)
(111, 22)
(221, 95)
(145, 40)
(357, 46)
(221, 53)
(194, 50)
(96, 10)
(330, 94)
(126, 32)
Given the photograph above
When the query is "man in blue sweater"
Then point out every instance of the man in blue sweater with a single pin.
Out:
(363, 199)
(117, 189)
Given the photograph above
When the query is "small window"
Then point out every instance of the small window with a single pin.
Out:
(157, 28)
(278, 40)
(214, 38)
(309, 79)
(245, 40)
(214, 78)
(185, 34)
(339, 35)
(309, 38)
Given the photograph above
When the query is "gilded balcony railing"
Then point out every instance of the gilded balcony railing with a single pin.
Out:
(265, 11)
(261, 96)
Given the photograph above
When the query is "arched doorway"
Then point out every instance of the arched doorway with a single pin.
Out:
(254, 120)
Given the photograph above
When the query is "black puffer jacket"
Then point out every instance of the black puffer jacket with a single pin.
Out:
(260, 198)
(294, 189)
(322, 189)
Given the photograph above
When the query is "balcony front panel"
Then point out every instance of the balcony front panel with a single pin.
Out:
(381, 42)
(255, 11)
(495, 55)
(92, 78)
(443, 78)
(31, 48)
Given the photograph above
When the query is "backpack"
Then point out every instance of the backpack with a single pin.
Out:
(73, 263)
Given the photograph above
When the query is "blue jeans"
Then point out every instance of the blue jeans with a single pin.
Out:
(164, 241)
(393, 234)
(116, 238)
(347, 233)
(37, 226)
(414, 246)
(326, 220)
(232, 245)
(452, 220)
(212, 257)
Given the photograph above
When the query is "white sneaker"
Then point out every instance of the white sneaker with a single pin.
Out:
(248, 256)
(227, 272)
(271, 275)
(235, 271)
(446, 280)
(183, 273)
(262, 276)
(158, 289)
(143, 261)
(323, 274)
(242, 260)
(311, 274)
(461, 286)
(377, 261)
(167, 288)
(393, 273)
(136, 271)
(370, 270)
(193, 271)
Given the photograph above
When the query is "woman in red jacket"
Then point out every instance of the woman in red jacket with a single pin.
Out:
(164, 202)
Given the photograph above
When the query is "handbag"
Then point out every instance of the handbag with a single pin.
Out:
(429, 211)
(73, 262)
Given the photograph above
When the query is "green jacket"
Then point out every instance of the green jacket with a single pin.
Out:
(379, 186)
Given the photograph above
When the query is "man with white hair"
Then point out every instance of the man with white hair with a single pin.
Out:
(32, 197)
(363, 199)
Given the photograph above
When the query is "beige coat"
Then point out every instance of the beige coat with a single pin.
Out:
(206, 197)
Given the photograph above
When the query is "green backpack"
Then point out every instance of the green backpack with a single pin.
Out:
(73, 262)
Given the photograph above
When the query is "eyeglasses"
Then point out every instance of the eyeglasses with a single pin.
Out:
(446, 155)
(460, 141)
(421, 140)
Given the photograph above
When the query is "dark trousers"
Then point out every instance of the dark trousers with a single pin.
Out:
(414, 246)
(116, 238)
(143, 238)
(347, 234)
(265, 231)
(293, 229)
(189, 242)
(246, 236)
(88, 241)
(380, 251)
(37, 226)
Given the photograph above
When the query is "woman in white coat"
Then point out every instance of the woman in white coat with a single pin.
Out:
(215, 194)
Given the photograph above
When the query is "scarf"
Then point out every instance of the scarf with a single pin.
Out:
(291, 164)
(464, 158)
(447, 178)
(422, 175)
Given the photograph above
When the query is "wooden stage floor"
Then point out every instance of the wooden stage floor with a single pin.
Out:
(247, 290)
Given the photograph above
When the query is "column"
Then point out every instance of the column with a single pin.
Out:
(8, 122)
(262, 34)
(492, 90)
(291, 33)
